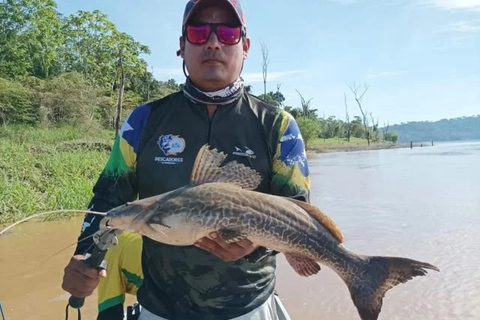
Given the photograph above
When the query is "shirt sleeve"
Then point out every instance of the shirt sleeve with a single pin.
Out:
(290, 176)
(124, 275)
(117, 182)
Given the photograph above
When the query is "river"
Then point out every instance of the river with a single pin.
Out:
(422, 203)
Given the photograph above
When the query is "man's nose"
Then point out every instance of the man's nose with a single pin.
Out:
(213, 43)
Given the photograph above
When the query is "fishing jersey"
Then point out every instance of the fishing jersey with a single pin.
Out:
(124, 276)
(154, 153)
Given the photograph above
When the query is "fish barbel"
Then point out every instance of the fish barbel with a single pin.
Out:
(221, 199)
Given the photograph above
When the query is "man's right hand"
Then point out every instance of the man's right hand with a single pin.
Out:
(80, 280)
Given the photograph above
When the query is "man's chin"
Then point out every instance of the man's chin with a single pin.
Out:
(214, 81)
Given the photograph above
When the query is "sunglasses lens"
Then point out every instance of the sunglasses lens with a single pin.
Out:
(198, 34)
(228, 35)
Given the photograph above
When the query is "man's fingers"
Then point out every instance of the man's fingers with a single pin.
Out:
(212, 247)
(225, 251)
(245, 243)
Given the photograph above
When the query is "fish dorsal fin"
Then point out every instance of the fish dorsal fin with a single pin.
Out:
(207, 169)
(325, 220)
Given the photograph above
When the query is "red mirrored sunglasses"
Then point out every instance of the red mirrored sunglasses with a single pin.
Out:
(199, 34)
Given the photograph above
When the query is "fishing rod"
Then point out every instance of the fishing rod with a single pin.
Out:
(104, 239)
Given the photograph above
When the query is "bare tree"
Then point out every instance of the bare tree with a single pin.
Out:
(374, 127)
(347, 119)
(385, 128)
(306, 111)
(359, 93)
(265, 63)
(120, 92)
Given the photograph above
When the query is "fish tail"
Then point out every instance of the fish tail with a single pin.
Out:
(379, 275)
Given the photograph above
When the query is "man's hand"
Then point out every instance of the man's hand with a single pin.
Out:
(80, 280)
(226, 251)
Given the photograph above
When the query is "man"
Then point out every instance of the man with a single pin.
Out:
(154, 153)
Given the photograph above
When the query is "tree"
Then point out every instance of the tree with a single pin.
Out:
(275, 98)
(348, 128)
(309, 128)
(391, 136)
(306, 110)
(265, 63)
(120, 91)
(92, 47)
(358, 95)
(30, 38)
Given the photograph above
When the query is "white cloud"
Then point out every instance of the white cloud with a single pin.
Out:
(377, 75)
(253, 77)
(452, 4)
(472, 26)
(458, 34)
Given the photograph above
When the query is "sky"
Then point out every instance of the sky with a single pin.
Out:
(420, 58)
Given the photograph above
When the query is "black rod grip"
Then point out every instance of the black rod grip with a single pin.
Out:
(95, 260)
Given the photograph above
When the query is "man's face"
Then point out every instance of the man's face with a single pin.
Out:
(214, 65)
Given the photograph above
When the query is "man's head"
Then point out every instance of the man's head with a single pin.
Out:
(214, 42)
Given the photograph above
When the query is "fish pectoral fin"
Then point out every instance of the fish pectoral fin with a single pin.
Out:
(303, 266)
(231, 236)
(207, 169)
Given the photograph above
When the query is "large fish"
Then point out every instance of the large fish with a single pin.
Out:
(220, 198)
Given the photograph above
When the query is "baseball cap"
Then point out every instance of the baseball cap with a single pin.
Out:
(193, 4)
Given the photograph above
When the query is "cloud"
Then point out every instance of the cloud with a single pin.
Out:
(472, 26)
(458, 34)
(377, 75)
(253, 77)
(452, 4)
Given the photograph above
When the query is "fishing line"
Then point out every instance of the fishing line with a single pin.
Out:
(50, 212)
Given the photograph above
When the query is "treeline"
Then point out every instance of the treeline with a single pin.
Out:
(81, 70)
(68, 69)
(464, 128)
(313, 126)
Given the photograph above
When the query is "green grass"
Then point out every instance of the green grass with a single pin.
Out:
(48, 169)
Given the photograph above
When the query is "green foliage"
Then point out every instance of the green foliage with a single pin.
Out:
(274, 98)
(31, 38)
(16, 103)
(309, 128)
(67, 99)
(92, 48)
(40, 169)
(464, 128)
(391, 136)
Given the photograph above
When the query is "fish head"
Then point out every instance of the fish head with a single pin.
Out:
(131, 215)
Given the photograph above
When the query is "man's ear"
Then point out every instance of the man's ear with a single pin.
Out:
(246, 47)
(181, 52)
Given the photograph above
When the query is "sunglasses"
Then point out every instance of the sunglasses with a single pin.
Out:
(199, 34)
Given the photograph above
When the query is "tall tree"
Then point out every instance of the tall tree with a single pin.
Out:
(265, 63)
(30, 38)
(92, 49)
(358, 94)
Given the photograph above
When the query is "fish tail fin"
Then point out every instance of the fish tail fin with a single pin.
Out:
(380, 275)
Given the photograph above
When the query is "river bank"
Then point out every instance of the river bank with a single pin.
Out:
(359, 146)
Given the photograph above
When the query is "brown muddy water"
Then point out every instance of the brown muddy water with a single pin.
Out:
(422, 203)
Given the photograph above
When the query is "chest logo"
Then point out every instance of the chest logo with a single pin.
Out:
(171, 145)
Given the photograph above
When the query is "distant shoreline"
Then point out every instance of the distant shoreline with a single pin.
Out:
(352, 147)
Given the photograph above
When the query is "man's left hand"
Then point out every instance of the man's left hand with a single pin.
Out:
(226, 251)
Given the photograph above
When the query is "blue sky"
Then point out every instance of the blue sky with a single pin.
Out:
(421, 58)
